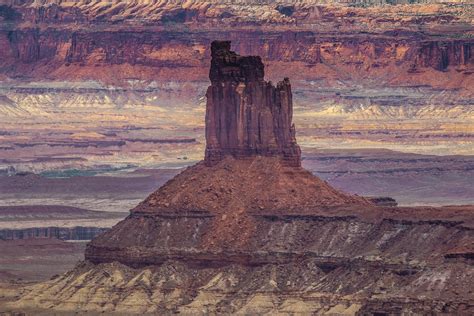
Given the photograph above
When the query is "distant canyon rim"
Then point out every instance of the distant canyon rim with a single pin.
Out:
(106, 88)
(392, 76)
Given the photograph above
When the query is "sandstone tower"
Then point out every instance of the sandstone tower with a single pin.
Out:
(245, 115)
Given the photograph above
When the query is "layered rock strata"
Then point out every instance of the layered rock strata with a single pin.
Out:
(245, 115)
(247, 232)
(114, 41)
(332, 261)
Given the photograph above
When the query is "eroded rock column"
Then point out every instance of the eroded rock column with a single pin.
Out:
(245, 115)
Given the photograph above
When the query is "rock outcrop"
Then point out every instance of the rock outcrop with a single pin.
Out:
(245, 115)
(250, 231)
(113, 41)
(336, 262)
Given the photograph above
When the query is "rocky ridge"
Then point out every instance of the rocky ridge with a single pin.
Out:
(115, 41)
(252, 234)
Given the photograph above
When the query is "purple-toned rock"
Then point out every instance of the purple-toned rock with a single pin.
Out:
(245, 115)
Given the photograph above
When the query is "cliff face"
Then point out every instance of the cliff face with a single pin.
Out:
(441, 55)
(330, 261)
(250, 231)
(162, 40)
(245, 115)
(171, 53)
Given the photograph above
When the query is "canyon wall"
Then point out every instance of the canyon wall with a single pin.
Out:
(171, 53)
(113, 42)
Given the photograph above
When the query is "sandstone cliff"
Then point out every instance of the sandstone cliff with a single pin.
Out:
(250, 233)
(115, 41)
(245, 115)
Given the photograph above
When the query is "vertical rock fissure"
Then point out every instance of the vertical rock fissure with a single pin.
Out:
(246, 115)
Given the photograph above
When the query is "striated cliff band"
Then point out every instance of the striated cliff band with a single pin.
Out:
(365, 74)
(116, 41)
(244, 114)
(248, 231)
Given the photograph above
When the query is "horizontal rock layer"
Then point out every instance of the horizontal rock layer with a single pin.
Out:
(292, 264)
(113, 41)
(277, 239)
(63, 233)
(63, 49)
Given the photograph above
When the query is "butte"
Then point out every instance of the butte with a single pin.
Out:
(249, 231)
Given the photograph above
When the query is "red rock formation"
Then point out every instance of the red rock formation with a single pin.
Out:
(245, 115)
(252, 164)
(226, 235)
(114, 41)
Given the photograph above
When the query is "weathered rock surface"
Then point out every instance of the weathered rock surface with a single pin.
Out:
(250, 233)
(245, 115)
(113, 41)
(292, 264)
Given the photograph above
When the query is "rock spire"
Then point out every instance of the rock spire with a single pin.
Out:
(247, 116)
